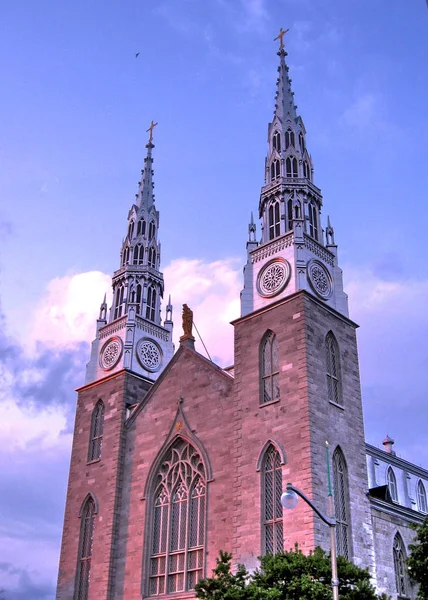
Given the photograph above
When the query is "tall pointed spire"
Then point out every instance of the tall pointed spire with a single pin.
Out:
(145, 196)
(284, 98)
(292, 254)
(140, 342)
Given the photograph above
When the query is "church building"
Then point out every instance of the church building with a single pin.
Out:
(175, 458)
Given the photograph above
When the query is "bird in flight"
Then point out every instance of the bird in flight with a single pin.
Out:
(137, 55)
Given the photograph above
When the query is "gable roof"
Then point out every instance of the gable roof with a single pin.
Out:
(186, 352)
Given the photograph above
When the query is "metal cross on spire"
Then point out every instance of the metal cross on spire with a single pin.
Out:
(280, 37)
(152, 126)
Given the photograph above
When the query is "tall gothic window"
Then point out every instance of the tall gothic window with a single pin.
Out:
(301, 142)
(392, 484)
(275, 169)
(400, 567)
(272, 537)
(97, 428)
(289, 138)
(131, 229)
(334, 388)
(341, 494)
(151, 304)
(118, 302)
(276, 141)
(422, 497)
(306, 170)
(269, 363)
(291, 167)
(274, 220)
(141, 227)
(138, 254)
(152, 258)
(151, 230)
(290, 214)
(125, 256)
(85, 549)
(178, 521)
(138, 297)
(313, 220)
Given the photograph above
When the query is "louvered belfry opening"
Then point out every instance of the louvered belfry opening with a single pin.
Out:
(177, 545)
(333, 369)
(273, 539)
(85, 550)
(400, 568)
(97, 428)
(340, 480)
(269, 368)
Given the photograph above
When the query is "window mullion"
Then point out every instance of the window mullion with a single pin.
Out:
(186, 537)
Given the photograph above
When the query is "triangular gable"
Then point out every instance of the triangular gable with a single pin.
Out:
(176, 359)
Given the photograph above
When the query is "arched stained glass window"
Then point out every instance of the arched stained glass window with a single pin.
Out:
(141, 227)
(97, 428)
(138, 293)
(87, 526)
(291, 167)
(269, 368)
(178, 521)
(341, 495)
(400, 567)
(275, 170)
(289, 138)
(276, 141)
(151, 230)
(138, 254)
(313, 220)
(152, 258)
(151, 304)
(131, 229)
(301, 142)
(422, 497)
(272, 530)
(118, 302)
(289, 214)
(334, 387)
(392, 484)
(274, 220)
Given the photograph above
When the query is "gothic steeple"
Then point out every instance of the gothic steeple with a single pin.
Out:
(290, 212)
(284, 97)
(138, 287)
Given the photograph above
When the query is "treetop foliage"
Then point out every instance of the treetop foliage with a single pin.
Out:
(418, 559)
(286, 576)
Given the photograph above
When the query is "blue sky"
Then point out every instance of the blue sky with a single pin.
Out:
(76, 102)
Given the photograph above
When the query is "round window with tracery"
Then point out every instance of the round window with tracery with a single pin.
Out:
(149, 355)
(320, 279)
(111, 353)
(273, 277)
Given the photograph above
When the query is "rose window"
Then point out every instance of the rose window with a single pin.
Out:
(320, 279)
(111, 353)
(149, 355)
(273, 278)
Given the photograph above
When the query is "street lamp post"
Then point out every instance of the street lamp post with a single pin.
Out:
(289, 500)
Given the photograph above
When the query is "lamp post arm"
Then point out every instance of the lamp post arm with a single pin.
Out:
(331, 522)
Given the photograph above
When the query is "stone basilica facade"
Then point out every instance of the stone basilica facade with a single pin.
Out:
(175, 458)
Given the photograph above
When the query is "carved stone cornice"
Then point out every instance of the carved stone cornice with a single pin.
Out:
(272, 247)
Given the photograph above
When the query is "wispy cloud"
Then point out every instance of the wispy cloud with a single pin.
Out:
(255, 16)
(362, 112)
(366, 115)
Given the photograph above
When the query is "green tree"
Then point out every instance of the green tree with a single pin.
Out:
(418, 559)
(287, 576)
